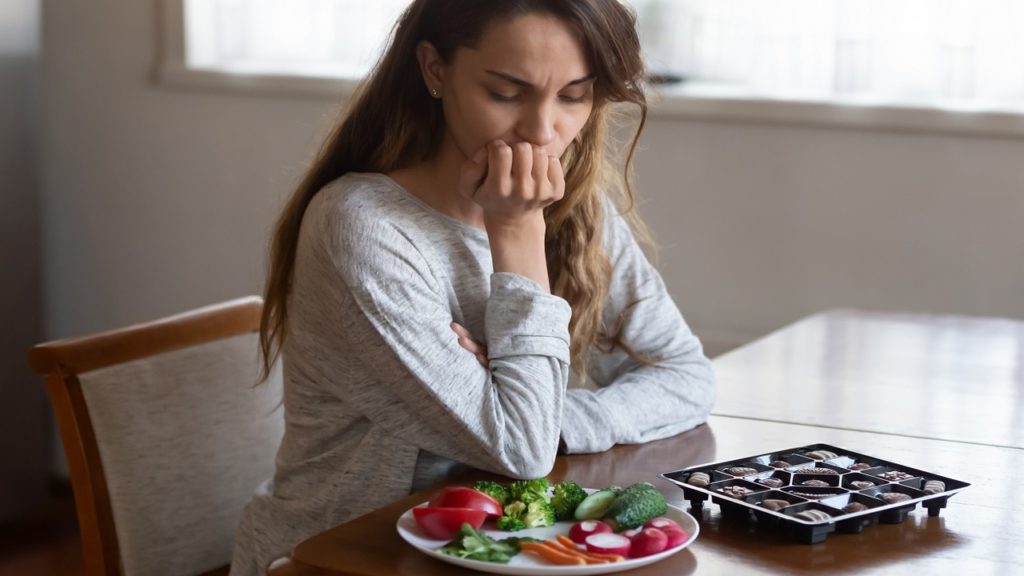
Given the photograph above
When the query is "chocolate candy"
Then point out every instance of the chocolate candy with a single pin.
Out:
(895, 475)
(860, 466)
(771, 482)
(934, 487)
(774, 504)
(736, 491)
(741, 470)
(813, 496)
(779, 464)
(861, 484)
(828, 471)
(821, 454)
(893, 497)
(815, 483)
(854, 507)
(699, 479)
(812, 515)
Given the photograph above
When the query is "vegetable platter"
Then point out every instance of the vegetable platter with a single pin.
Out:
(449, 528)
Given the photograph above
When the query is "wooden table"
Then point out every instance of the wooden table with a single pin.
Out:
(978, 533)
(946, 377)
(943, 394)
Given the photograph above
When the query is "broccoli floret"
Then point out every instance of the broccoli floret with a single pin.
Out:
(515, 509)
(567, 497)
(510, 524)
(529, 490)
(493, 489)
(513, 519)
(539, 514)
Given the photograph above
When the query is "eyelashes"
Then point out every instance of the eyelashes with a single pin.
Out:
(502, 98)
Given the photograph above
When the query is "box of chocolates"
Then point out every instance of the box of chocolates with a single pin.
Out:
(815, 490)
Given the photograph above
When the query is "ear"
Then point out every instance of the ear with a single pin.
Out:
(432, 67)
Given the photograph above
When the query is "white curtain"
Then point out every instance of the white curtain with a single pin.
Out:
(960, 53)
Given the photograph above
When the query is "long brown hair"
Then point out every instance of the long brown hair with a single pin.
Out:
(393, 123)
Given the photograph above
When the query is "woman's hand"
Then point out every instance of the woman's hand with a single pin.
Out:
(513, 184)
(466, 341)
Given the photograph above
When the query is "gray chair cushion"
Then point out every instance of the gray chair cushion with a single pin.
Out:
(185, 438)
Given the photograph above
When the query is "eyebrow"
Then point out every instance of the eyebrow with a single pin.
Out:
(525, 84)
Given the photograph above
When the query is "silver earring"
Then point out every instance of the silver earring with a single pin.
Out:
(435, 93)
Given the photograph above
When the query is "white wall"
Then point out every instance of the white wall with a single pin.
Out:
(157, 200)
(764, 224)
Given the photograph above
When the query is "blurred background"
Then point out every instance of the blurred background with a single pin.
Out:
(805, 155)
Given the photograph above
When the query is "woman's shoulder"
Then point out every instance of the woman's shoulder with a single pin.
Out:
(358, 194)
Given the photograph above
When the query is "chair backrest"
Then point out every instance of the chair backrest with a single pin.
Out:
(167, 436)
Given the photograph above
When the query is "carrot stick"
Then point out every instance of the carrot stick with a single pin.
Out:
(573, 550)
(550, 554)
(568, 543)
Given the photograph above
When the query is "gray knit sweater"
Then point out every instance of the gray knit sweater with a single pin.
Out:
(380, 399)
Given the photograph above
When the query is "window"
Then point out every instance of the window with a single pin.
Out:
(327, 38)
(930, 55)
(946, 53)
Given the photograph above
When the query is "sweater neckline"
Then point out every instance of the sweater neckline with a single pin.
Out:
(468, 229)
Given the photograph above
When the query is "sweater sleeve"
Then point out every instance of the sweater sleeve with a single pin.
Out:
(636, 402)
(382, 304)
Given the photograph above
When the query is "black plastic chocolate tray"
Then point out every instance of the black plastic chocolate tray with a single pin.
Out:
(780, 475)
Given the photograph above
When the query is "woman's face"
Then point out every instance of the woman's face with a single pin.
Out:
(527, 81)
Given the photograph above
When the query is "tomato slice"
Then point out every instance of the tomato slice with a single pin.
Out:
(445, 523)
(465, 497)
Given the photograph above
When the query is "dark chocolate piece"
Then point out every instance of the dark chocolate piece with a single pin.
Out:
(779, 464)
(854, 507)
(934, 487)
(815, 483)
(861, 484)
(821, 454)
(893, 497)
(771, 482)
(895, 475)
(860, 466)
(741, 470)
(736, 491)
(814, 496)
(828, 471)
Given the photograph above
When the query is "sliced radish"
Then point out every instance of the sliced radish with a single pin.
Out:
(676, 535)
(608, 543)
(662, 523)
(648, 541)
(631, 533)
(580, 530)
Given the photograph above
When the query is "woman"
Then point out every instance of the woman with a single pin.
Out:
(454, 250)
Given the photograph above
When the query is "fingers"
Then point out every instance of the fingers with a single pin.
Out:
(556, 177)
(522, 170)
(512, 180)
(466, 341)
(472, 174)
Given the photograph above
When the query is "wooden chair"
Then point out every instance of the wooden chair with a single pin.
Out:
(167, 436)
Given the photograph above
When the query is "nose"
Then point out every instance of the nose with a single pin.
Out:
(536, 125)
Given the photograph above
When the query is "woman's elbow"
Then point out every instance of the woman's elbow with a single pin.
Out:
(531, 463)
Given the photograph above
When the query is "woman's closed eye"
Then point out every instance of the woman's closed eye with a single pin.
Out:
(566, 98)
(499, 97)
(573, 99)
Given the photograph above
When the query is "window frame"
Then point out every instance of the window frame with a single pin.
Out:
(687, 101)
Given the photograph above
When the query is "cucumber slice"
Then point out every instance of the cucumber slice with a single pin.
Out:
(595, 505)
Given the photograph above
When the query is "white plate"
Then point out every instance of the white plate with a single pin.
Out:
(528, 564)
